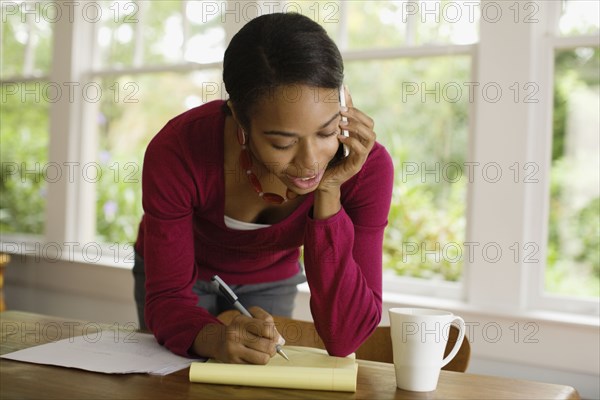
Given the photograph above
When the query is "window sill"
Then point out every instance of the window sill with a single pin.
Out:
(428, 294)
(93, 253)
(460, 307)
(391, 299)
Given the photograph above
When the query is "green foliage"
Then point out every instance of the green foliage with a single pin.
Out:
(422, 239)
(23, 155)
(15, 34)
(573, 255)
(573, 258)
(119, 208)
(12, 46)
(125, 128)
(425, 234)
(588, 226)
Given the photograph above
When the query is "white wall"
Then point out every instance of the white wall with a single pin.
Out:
(69, 289)
(538, 347)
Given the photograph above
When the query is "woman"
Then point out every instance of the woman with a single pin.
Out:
(236, 188)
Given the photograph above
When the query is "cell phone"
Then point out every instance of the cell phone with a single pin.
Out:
(346, 150)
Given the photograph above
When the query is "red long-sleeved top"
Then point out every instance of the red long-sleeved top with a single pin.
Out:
(183, 237)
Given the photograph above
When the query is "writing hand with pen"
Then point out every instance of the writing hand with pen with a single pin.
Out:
(249, 337)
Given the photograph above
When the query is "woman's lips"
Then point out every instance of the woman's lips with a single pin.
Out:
(306, 182)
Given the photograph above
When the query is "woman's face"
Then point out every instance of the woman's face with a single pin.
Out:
(293, 133)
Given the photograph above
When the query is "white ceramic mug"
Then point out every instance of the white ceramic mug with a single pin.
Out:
(419, 338)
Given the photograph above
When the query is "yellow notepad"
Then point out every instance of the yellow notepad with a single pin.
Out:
(308, 368)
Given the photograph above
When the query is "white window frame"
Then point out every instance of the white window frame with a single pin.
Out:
(512, 132)
(549, 40)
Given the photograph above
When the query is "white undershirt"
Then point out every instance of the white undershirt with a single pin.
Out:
(241, 225)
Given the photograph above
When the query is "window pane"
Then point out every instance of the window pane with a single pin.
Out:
(116, 32)
(160, 32)
(24, 138)
(26, 40)
(141, 27)
(579, 17)
(134, 110)
(573, 264)
(410, 23)
(421, 116)
(204, 32)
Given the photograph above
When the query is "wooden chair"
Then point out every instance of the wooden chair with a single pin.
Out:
(378, 347)
(4, 260)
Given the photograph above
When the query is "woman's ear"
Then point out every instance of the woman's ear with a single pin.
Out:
(233, 113)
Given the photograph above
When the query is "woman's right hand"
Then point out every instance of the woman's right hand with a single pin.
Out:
(243, 340)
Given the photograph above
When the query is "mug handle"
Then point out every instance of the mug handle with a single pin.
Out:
(461, 337)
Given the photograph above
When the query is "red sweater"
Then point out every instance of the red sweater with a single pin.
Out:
(183, 237)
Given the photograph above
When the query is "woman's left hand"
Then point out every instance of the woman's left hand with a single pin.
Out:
(360, 142)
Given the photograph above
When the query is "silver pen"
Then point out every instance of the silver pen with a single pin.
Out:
(226, 291)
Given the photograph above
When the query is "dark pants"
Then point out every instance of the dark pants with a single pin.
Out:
(277, 298)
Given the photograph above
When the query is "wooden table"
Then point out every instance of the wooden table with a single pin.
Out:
(376, 380)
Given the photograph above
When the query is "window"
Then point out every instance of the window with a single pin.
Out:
(424, 50)
(573, 256)
(574, 226)
(425, 130)
(170, 51)
(125, 126)
(432, 85)
(25, 105)
(390, 24)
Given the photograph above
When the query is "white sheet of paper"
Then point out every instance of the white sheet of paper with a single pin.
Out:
(106, 352)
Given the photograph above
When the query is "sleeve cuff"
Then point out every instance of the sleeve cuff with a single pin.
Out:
(327, 221)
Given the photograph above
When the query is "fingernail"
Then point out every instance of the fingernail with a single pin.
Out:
(281, 341)
(344, 108)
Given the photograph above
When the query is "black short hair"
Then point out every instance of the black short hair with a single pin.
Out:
(278, 49)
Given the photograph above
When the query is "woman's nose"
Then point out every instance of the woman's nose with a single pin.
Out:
(306, 158)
